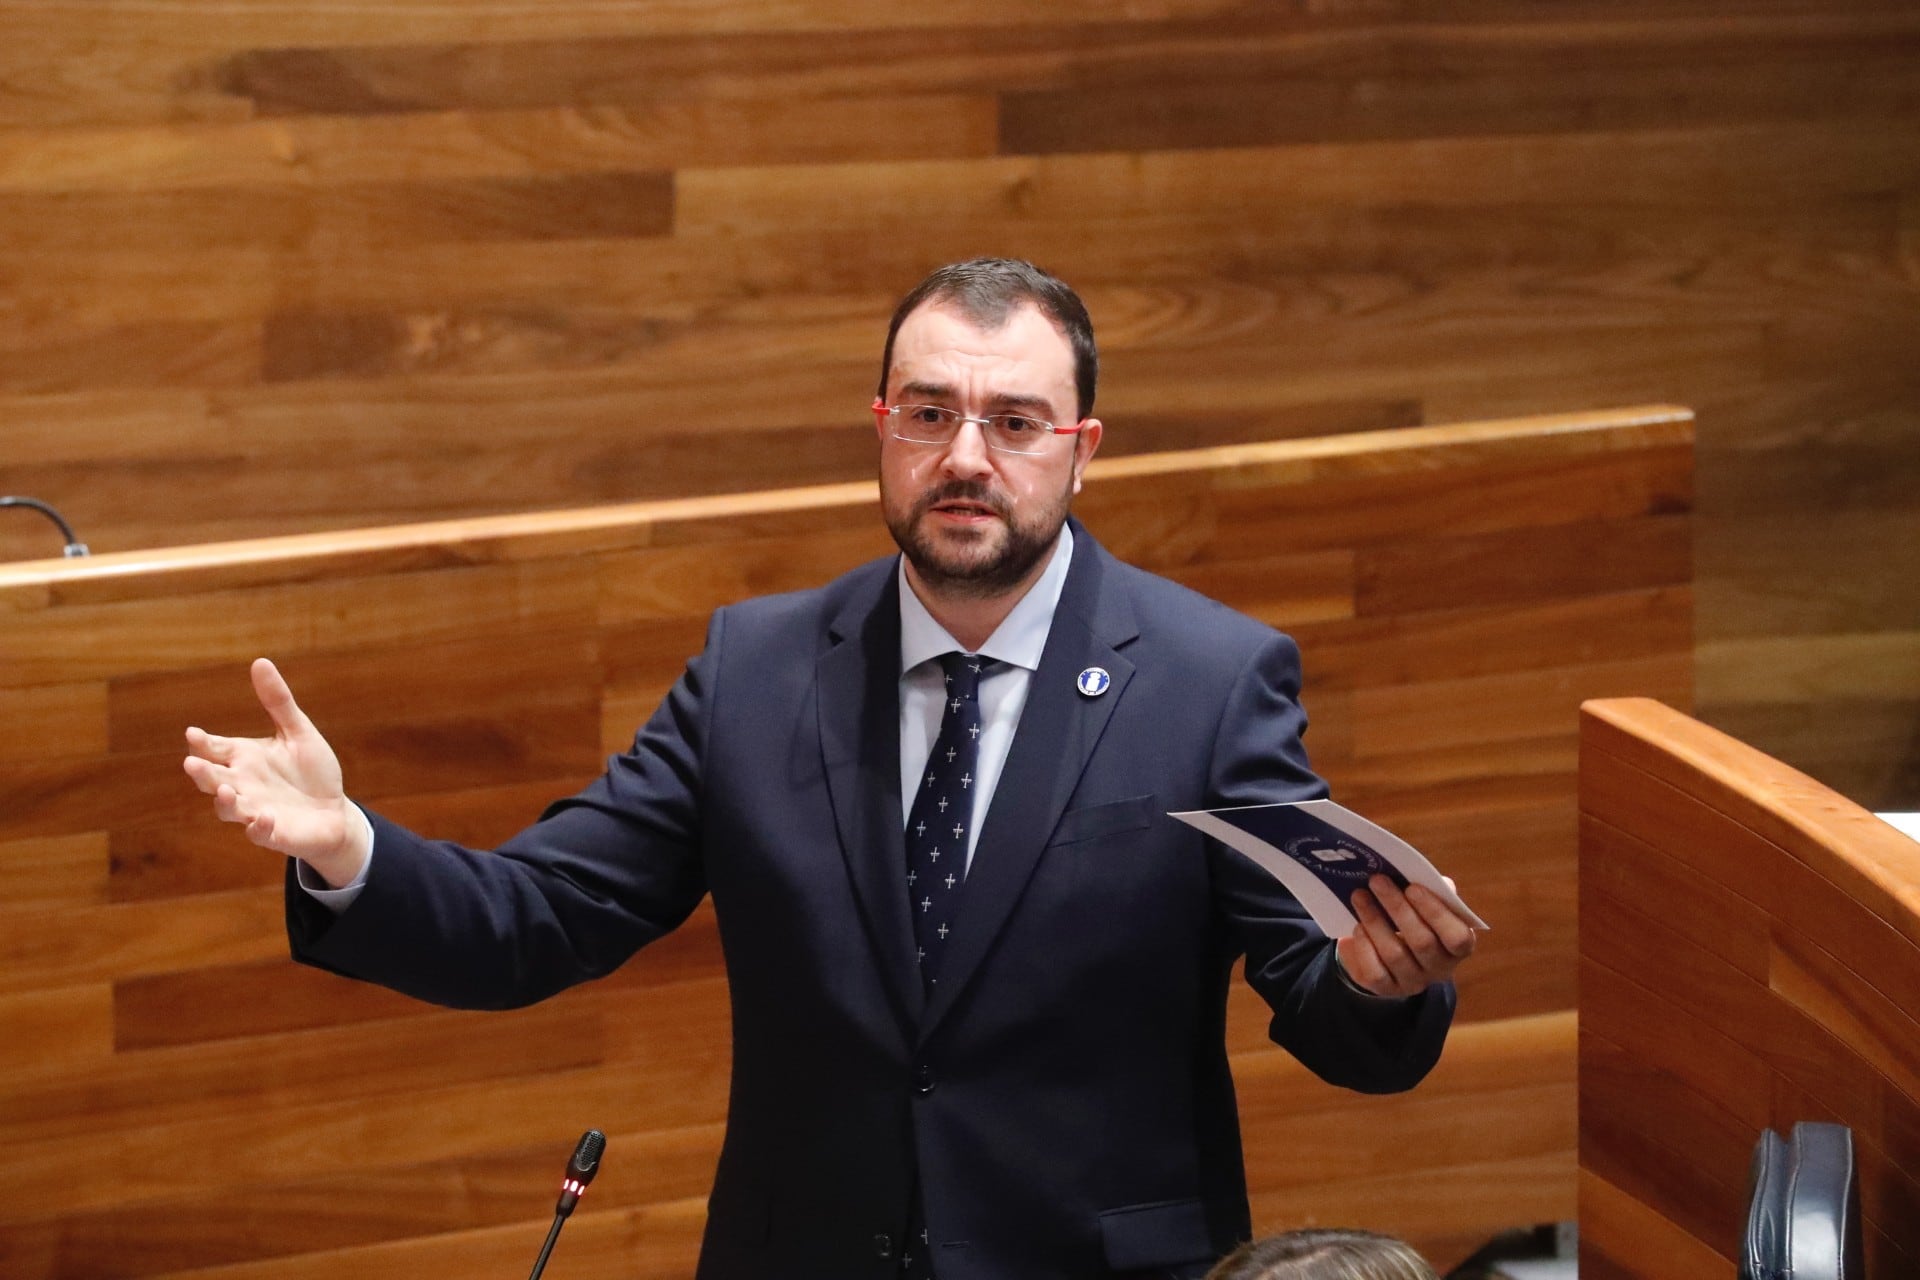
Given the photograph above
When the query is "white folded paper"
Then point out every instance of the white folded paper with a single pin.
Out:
(1322, 852)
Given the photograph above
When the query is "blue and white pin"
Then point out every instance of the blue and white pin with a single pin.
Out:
(1093, 682)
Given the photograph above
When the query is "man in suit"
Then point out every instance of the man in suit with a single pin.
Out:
(978, 977)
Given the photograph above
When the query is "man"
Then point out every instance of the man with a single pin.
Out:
(978, 977)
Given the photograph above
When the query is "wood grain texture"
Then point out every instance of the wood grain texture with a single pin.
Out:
(1750, 957)
(299, 265)
(142, 956)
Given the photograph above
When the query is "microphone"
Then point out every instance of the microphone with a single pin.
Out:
(74, 546)
(580, 1170)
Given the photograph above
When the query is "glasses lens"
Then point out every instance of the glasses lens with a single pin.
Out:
(1017, 433)
(925, 423)
(1004, 432)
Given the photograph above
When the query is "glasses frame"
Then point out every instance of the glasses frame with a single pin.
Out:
(883, 411)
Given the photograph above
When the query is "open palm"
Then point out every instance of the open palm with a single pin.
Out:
(286, 791)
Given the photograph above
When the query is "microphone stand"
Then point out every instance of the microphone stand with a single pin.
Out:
(553, 1234)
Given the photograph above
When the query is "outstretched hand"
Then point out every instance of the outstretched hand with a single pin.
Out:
(1406, 942)
(286, 790)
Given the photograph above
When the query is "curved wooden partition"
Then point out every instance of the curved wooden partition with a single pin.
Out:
(1749, 957)
(176, 1096)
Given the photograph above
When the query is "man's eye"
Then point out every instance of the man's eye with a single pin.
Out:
(926, 415)
(1016, 425)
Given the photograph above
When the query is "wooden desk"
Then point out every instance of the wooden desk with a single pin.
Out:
(1749, 957)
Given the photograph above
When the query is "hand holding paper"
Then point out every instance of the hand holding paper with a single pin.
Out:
(1401, 925)
(1406, 941)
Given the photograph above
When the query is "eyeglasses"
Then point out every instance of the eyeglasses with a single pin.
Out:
(1003, 432)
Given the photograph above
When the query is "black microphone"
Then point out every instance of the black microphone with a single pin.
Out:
(74, 546)
(580, 1170)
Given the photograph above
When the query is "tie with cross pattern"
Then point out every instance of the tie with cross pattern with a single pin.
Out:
(942, 813)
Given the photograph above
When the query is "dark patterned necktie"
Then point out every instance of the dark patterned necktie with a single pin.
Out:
(942, 814)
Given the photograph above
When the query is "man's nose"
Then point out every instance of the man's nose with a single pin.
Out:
(967, 455)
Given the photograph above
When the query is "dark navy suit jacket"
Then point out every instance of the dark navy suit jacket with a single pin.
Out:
(1063, 1100)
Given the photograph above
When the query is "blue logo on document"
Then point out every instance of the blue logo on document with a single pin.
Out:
(1336, 859)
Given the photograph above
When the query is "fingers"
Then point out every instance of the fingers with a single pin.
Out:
(230, 806)
(1390, 952)
(260, 830)
(210, 759)
(1415, 935)
(1428, 924)
(208, 747)
(1413, 938)
(271, 688)
(207, 759)
(1363, 964)
(1455, 935)
(206, 776)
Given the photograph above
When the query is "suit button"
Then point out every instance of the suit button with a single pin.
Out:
(923, 1080)
(883, 1245)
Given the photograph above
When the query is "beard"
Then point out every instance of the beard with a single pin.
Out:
(981, 563)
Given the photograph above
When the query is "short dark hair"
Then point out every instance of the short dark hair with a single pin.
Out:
(986, 291)
(1324, 1254)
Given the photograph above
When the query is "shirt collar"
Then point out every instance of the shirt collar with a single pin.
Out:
(1019, 638)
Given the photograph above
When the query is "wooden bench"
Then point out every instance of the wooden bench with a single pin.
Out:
(176, 1095)
(1749, 957)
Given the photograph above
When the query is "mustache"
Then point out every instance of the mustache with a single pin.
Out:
(962, 491)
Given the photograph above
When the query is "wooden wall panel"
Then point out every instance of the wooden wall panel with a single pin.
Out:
(1749, 958)
(152, 1010)
(297, 265)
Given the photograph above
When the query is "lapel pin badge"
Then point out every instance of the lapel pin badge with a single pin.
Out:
(1094, 681)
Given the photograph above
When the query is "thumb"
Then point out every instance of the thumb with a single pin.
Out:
(277, 699)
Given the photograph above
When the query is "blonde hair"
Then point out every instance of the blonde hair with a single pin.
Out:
(1324, 1254)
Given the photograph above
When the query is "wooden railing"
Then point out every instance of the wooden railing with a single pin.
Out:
(1750, 957)
(176, 1095)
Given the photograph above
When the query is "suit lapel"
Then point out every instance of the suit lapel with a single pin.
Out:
(1058, 730)
(858, 690)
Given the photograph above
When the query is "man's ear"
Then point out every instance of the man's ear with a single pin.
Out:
(1085, 444)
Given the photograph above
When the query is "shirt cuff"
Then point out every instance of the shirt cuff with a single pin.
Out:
(338, 900)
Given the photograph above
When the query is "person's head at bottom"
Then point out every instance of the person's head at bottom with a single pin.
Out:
(1324, 1254)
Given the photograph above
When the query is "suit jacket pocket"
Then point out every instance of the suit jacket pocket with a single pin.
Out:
(1155, 1235)
(1089, 822)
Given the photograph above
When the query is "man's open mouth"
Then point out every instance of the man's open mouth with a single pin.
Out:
(965, 509)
